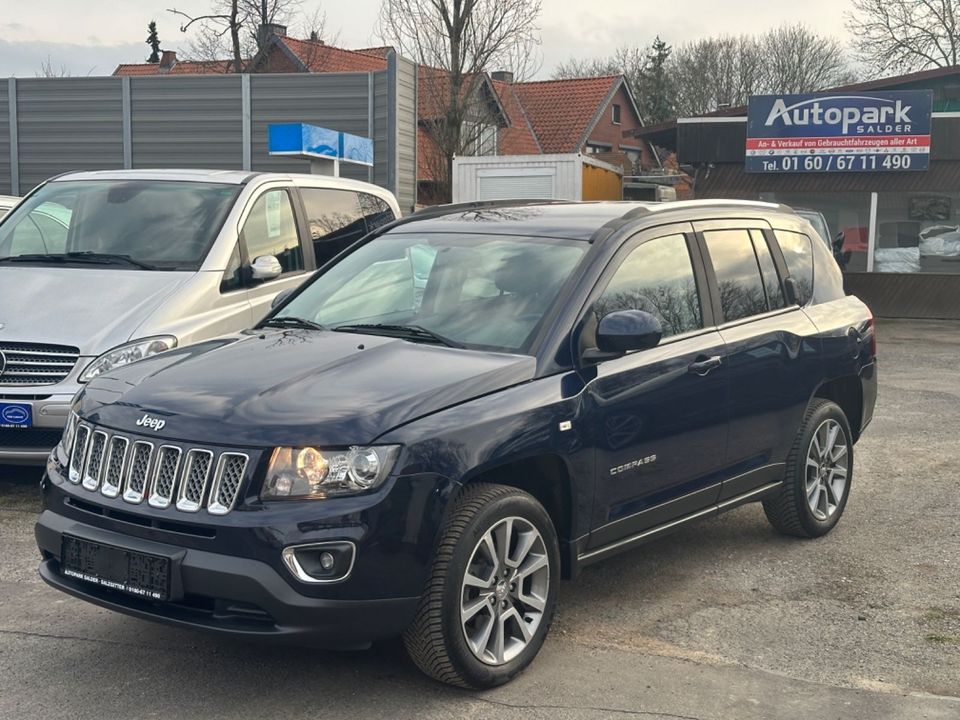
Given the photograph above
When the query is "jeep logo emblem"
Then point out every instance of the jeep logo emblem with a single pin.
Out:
(155, 424)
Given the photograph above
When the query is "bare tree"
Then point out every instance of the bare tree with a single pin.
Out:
(799, 60)
(224, 20)
(905, 35)
(47, 70)
(708, 74)
(233, 27)
(458, 42)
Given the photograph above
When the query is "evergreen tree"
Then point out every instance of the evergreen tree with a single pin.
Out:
(153, 40)
(656, 85)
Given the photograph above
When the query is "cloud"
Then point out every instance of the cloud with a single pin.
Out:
(23, 59)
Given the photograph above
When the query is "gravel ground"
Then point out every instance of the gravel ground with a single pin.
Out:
(723, 619)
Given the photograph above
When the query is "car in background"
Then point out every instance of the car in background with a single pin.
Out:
(6, 203)
(99, 269)
(819, 222)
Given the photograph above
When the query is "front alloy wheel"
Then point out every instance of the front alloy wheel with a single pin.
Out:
(504, 591)
(489, 600)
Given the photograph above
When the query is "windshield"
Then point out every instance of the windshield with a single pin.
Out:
(477, 291)
(155, 224)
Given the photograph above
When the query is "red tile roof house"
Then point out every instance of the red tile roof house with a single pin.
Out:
(590, 115)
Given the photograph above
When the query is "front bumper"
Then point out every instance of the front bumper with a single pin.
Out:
(50, 412)
(226, 594)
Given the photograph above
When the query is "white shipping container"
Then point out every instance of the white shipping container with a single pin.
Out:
(524, 177)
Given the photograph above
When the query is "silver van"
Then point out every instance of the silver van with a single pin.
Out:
(99, 269)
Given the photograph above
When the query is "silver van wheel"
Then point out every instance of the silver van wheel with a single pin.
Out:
(827, 469)
(504, 591)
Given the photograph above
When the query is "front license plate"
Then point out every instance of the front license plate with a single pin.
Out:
(147, 576)
(16, 415)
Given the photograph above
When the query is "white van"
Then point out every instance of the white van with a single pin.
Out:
(98, 269)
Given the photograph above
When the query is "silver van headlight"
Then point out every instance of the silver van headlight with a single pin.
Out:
(128, 353)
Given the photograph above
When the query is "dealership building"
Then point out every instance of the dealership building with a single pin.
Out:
(880, 161)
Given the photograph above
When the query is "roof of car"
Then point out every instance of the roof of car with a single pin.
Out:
(230, 177)
(571, 220)
(8, 201)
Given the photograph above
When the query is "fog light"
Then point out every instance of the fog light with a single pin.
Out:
(325, 562)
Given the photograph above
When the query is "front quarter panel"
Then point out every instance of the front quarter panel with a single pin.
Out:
(474, 438)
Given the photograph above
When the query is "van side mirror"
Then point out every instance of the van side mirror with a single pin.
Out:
(265, 267)
(626, 330)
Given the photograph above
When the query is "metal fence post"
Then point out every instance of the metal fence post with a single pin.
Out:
(14, 142)
(246, 133)
(127, 122)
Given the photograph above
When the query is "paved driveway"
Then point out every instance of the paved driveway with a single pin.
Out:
(724, 619)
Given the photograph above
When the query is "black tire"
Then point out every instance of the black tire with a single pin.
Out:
(436, 639)
(789, 511)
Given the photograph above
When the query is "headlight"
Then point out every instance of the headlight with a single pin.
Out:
(126, 354)
(298, 473)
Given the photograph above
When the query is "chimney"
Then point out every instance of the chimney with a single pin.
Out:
(268, 30)
(503, 76)
(167, 60)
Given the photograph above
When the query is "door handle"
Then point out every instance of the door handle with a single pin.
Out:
(703, 364)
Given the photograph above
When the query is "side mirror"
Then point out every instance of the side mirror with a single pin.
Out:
(625, 330)
(281, 299)
(265, 267)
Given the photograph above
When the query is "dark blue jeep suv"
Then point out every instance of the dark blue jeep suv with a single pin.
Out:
(457, 412)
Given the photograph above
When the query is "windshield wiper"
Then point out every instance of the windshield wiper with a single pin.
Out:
(290, 321)
(87, 257)
(108, 259)
(404, 332)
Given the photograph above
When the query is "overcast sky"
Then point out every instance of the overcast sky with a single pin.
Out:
(93, 36)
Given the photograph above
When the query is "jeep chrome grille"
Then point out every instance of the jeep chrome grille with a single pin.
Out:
(189, 479)
(138, 473)
(194, 481)
(94, 464)
(226, 483)
(36, 364)
(116, 459)
(165, 476)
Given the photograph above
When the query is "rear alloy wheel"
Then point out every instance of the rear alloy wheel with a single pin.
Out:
(490, 598)
(819, 471)
(827, 470)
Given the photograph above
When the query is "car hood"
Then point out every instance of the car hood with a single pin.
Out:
(295, 387)
(93, 309)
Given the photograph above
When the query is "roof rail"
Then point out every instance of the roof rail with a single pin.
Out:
(611, 226)
(452, 208)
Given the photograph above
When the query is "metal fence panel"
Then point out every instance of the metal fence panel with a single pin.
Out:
(187, 122)
(68, 124)
(334, 100)
(406, 128)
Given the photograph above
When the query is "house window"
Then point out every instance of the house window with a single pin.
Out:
(616, 114)
(479, 138)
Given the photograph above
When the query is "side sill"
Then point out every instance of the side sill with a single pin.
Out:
(633, 541)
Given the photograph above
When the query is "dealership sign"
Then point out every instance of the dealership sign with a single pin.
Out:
(852, 132)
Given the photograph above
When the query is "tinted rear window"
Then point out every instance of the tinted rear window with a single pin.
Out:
(798, 255)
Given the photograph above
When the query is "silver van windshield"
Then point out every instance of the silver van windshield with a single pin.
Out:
(140, 224)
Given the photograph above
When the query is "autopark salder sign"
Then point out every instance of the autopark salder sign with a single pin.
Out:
(850, 132)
